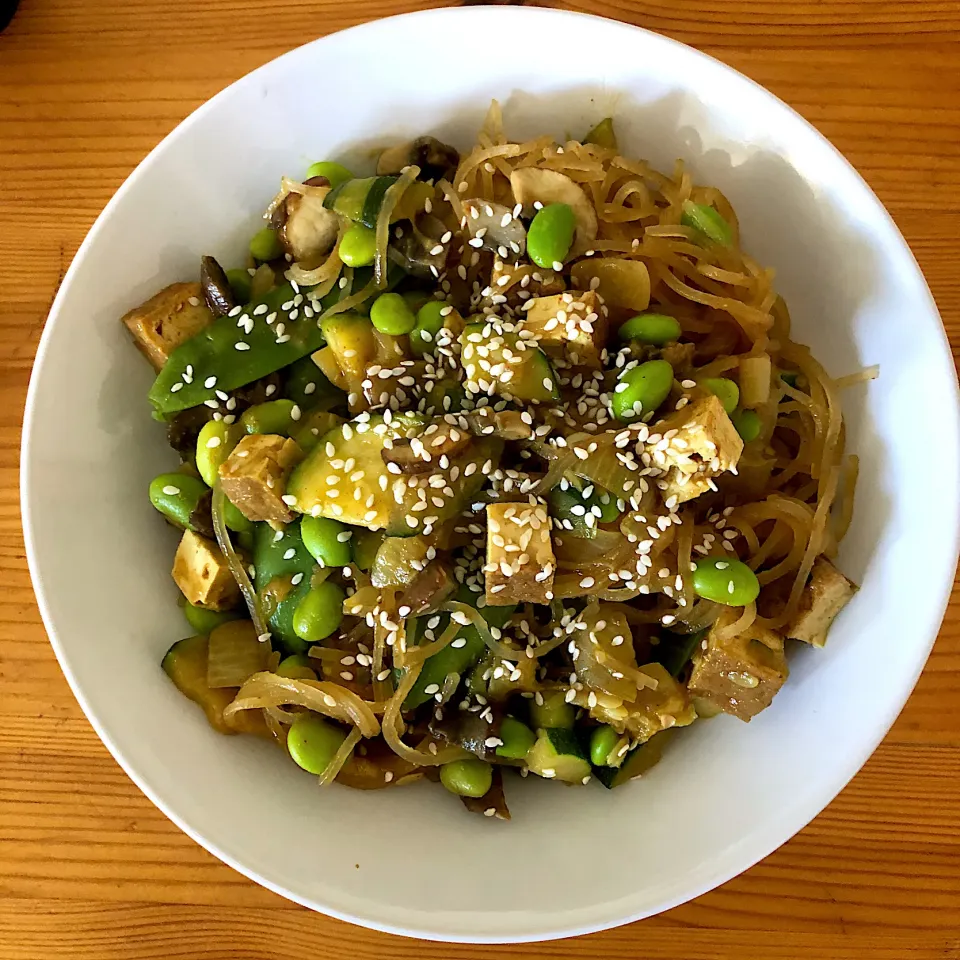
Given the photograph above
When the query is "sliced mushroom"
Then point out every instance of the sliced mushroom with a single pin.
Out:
(307, 230)
(436, 160)
(217, 292)
(507, 424)
(531, 184)
(430, 589)
(493, 226)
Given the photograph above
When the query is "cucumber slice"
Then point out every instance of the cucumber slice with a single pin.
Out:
(360, 200)
(554, 712)
(558, 755)
(637, 762)
(526, 375)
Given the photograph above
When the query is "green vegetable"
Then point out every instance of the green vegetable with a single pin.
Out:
(305, 384)
(517, 739)
(557, 755)
(550, 235)
(553, 712)
(707, 221)
(358, 248)
(335, 173)
(296, 667)
(177, 496)
(602, 741)
(641, 389)
(467, 778)
(312, 742)
(789, 377)
(366, 545)
(320, 612)
(277, 559)
(637, 762)
(390, 314)
(215, 442)
(653, 328)
(265, 245)
(204, 621)
(603, 134)
(429, 323)
(416, 298)
(235, 520)
(185, 663)
(273, 416)
(531, 375)
(726, 390)
(725, 580)
(240, 281)
(321, 536)
(360, 200)
(747, 423)
(674, 650)
(579, 514)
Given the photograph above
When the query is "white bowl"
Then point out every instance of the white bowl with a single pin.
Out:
(572, 860)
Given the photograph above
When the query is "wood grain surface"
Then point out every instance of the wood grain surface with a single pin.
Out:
(89, 869)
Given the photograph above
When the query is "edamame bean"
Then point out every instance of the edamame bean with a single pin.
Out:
(215, 442)
(726, 391)
(707, 221)
(390, 314)
(429, 323)
(553, 711)
(336, 173)
(234, 519)
(551, 235)
(274, 416)
(725, 580)
(296, 667)
(747, 423)
(319, 613)
(467, 778)
(654, 328)
(312, 742)
(517, 739)
(203, 620)
(602, 741)
(265, 245)
(358, 248)
(641, 389)
(322, 538)
(240, 285)
(176, 496)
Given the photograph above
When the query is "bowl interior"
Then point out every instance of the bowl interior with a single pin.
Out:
(572, 860)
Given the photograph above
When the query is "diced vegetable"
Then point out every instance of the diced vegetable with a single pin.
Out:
(550, 709)
(526, 375)
(558, 755)
(360, 200)
(517, 739)
(636, 763)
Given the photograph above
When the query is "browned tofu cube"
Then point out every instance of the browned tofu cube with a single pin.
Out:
(573, 326)
(520, 561)
(825, 595)
(201, 572)
(161, 324)
(254, 476)
(739, 675)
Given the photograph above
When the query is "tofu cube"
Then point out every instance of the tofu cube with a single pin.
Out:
(166, 320)
(254, 476)
(201, 572)
(573, 326)
(741, 674)
(825, 595)
(520, 560)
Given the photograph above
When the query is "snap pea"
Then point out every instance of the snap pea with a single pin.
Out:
(706, 220)
(240, 284)
(550, 710)
(602, 741)
(235, 520)
(653, 328)
(265, 245)
(320, 612)
(335, 173)
(312, 742)
(273, 416)
(550, 235)
(747, 423)
(725, 390)
(725, 580)
(203, 620)
(429, 323)
(305, 383)
(177, 496)
(215, 442)
(467, 778)
(517, 739)
(278, 560)
(322, 537)
(641, 389)
(296, 667)
(358, 248)
(390, 314)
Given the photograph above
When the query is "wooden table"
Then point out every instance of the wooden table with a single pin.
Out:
(89, 869)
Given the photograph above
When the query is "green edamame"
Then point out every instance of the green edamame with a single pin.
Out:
(725, 580)
(467, 778)
(430, 322)
(602, 741)
(747, 423)
(517, 739)
(312, 742)
(204, 621)
(707, 221)
(319, 613)
(551, 710)
(653, 328)
(176, 496)
(274, 416)
(358, 248)
(390, 314)
(240, 282)
(725, 390)
(296, 667)
(551, 235)
(641, 389)
(265, 245)
(335, 173)
(327, 540)
(215, 443)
